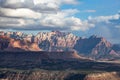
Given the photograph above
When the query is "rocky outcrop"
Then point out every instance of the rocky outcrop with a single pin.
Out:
(21, 44)
(97, 48)
(39, 75)
(103, 76)
(64, 55)
(48, 41)
(10, 44)
(86, 45)
(56, 41)
(56, 75)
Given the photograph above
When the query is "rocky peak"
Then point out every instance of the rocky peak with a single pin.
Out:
(55, 40)
(94, 46)
(94, 36)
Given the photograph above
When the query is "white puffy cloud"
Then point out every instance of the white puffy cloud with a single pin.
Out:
(46, 14)
(16, 3)
(28, 19)
(43, 5)
(22, 12)
(40, 14)
(104, 18)
(107, 26)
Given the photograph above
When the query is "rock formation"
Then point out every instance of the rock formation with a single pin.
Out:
(57, 75)
(94, 47)
(10, 44)
(103, 76)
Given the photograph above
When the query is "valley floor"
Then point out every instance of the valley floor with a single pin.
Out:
(40, 74)
(38, 66)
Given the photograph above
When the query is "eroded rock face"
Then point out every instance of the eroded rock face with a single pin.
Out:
(57, 75)
(56, 41)
(10, 44)
(37, 75)
(48, 41)
(103, 76)
(94, 47)
(27, 46)
(97, 48)
(85, 45)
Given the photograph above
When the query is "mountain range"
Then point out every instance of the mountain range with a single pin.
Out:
(94, 47)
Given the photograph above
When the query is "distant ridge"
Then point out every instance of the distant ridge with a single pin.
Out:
(94, 47)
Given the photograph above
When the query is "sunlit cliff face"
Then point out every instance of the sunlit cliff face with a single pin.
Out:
(27, 46)
(10, 44)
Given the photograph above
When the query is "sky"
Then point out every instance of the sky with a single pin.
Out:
(81, 17)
